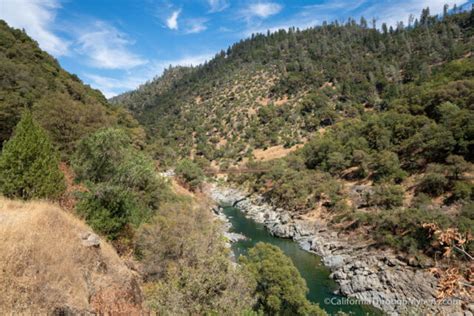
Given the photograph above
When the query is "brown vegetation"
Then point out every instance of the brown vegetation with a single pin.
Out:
(274, 152)
(47, 268)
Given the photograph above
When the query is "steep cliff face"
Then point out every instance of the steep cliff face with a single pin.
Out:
(52, 262)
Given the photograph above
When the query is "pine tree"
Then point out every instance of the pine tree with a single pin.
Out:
(29, 164)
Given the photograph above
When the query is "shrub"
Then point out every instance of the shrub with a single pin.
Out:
(386, 195)
(462, 191)
(113, 169)
(190, 173)
(433, 184)
(403, 228)
(98, 156)
(137, 173)
(186, 266)
(387, 167)
(280, 288)
(109, 208)
(29, 164)
(457, 166)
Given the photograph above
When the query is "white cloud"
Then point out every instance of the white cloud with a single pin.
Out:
(218, 5)
(36, 17)
(172, 21)
(195, 25)
(262, 9)
(106, 47)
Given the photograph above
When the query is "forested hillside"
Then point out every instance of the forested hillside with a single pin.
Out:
(33, 80)
(281, 88)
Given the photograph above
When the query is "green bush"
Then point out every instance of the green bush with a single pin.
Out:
(457, 166)
(29, 164)
(113, 169)
(137, 173)
(433, 184)
(109, 208)
(387, 196)
(190, 172)
(280, 288)
(387, 167)
(462, 191)
(403, 228)
(99, 155)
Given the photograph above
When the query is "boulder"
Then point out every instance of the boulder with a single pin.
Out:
(89, 239)
(334, 262)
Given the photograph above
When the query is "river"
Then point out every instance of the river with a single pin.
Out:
(321, 286)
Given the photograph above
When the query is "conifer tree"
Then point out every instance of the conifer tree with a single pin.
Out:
(29, 164)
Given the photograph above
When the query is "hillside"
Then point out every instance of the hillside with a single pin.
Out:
(362, 132)
(66, 107)
(384, 120)
(281, 88)
(52, 264)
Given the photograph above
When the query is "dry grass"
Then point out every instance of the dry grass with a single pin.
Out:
(274, 152)
(46, 268)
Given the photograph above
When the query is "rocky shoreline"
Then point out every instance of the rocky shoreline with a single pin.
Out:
(372, 276)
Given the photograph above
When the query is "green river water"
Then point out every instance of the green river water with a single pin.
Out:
(321, 287)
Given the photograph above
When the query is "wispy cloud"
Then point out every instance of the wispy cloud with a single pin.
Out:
(261, 10)
(37, 18)
(196, 25)
(106, 47)
(172, 21)
(218, 5)
(389, 12)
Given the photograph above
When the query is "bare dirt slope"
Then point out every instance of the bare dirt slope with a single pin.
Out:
(49, 264)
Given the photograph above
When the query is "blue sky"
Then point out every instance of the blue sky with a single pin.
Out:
(116, 45)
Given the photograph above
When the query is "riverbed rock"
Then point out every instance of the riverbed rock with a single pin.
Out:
(334, 262)
(339, 275)
(284, 218)
(234, 237)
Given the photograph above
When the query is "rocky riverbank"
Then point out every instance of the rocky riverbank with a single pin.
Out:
(373, 276)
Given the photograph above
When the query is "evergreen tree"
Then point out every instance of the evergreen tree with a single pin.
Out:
(29, 164)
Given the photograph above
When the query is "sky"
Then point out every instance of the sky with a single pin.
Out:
(116, 45)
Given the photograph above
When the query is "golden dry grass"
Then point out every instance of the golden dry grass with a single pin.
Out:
(45, 267)
(274, 152)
